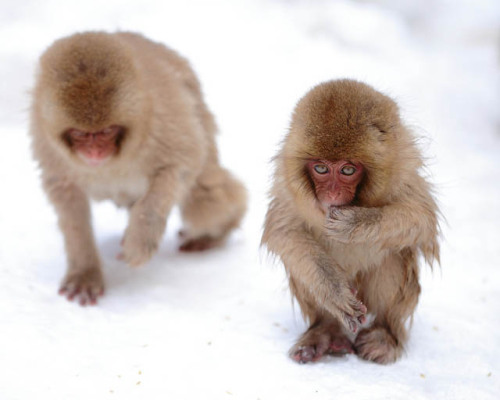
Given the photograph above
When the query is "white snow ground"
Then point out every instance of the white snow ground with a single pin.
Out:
(218, 325)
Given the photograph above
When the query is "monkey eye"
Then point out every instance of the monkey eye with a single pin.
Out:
(348, 170)
(321, 169)
(109, 132)
(75, 134)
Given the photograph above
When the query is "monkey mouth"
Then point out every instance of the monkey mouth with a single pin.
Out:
(96, 161)
(336, 201)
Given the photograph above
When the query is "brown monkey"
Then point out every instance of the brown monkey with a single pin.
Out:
(349, 216)
(119, 117)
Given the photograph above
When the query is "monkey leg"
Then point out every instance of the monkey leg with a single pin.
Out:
(213, 208)
(391, 292)
(325, 334)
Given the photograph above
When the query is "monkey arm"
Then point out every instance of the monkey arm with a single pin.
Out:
(308, 263)
(83, 278)
(393, 226)
(147, 220)
(73, 211)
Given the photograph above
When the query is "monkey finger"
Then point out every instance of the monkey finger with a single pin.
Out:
(94, 293)
(83, 299)
(70, 290)
(89, 296)
(339, 213)
(135, 260)
(354, 307)
(355, 317)
(85, 286)
(351, 323)
(339, 230)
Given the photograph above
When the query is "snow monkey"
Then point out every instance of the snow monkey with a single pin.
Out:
(119, 117)
(349, 216)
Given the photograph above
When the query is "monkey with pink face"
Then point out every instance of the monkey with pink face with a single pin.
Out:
(119, 117)
(350, 214)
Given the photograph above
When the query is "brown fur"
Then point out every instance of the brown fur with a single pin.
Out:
(167, 155)
(370, 246)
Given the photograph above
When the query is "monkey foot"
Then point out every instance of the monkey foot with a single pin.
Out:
(314, 345)
(84, 286)
(199, 244)
(377, 345)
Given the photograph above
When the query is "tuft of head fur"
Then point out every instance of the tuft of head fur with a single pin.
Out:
(87, 73)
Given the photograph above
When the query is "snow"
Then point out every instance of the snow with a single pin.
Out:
(218, 325)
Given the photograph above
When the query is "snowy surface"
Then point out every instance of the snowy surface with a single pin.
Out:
(218, 325)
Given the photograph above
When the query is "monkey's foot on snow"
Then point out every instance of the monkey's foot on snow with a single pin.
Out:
(378, 345)
(319, 341)
(199, 244)
(83, 285)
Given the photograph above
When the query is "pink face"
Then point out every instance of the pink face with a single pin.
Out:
(95, 148)
(335, 182)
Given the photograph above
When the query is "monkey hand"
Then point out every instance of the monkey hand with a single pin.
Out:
(350, 310)
(353, 224)
(83, 284)
(142, 236)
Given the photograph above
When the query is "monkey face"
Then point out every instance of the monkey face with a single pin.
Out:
(334, 183)
(95, 148)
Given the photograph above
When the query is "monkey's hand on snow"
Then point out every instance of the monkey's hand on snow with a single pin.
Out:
(142, 236)
(353, 224)
(83, 284)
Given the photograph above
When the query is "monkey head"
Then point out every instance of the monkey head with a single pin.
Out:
(90, 99)
(346, 146)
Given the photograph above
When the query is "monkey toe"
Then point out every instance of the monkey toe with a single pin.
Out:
(377, 345)
(305, 354)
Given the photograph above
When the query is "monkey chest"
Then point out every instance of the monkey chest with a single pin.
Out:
(357, 257)
(124, 190)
